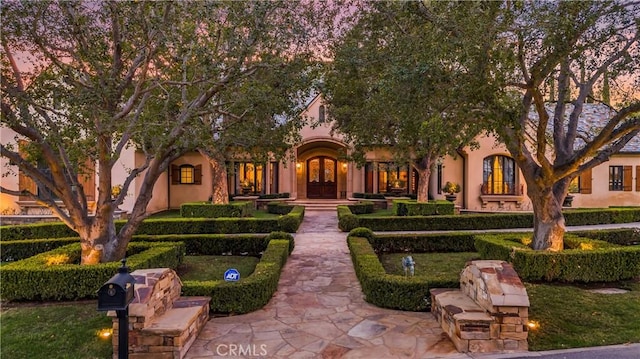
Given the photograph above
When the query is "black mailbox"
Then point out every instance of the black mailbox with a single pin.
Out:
(117, 292)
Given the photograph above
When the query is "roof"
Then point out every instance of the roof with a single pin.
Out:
(594, 117)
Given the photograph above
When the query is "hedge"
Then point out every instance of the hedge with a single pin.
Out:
(210, 210)
(423, 243)
(247, 294)
(279, 208)
(620, 236)
(348, 221)
(274, 195)
(386, 290)
(287, 223)
(414, 208)
(195, 244)
(590, 260)
(34, 279)
(362, 207)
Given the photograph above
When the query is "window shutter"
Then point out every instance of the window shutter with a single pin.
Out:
(175, 174)
(627, 178)
(637, 178)
(585, 182)
(197, 174)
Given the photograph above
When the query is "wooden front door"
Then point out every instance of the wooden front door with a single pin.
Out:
(321, 178)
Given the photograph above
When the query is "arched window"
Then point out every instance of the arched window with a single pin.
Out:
(321, 115)
(498, 175)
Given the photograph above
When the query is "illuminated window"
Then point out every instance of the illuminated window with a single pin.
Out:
(187, 174)
(498, 175)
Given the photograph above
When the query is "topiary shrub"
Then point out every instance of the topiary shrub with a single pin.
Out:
(57, 275)
(362, 207)
(346, 220)
(589, 260)
(210, 210)
(363, 233)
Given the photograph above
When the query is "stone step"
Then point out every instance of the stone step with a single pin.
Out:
(172, 334)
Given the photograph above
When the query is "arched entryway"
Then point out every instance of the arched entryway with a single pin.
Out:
(322, 177)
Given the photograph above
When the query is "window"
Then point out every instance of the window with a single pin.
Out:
(498, 175)
(368, 177)
(620, 178)
(247, 177)
(187, 174)
(321, 115)
(392, 178)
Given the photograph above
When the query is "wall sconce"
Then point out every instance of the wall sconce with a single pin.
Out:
(344, 166)
(298, 165)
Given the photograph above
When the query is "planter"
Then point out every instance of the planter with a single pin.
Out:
(246, 190)
(568, 201)
(450, 197)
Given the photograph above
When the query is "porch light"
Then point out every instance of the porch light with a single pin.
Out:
(344, 166)
(298, 165)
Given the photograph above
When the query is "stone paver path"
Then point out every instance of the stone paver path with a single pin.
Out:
(319, 312)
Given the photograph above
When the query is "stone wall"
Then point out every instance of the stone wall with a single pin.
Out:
(490, 311)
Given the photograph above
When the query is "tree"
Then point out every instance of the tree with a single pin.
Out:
(96, 78)
(580, 46)
(393, 81)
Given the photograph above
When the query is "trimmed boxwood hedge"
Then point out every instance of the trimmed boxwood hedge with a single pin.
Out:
(34, 279)
(348, 221)
(279, 208)
(287, 223)
(361, 207)
(405, 207)
(234, 209)
(386, 290)
(621, 236)
(590, 260)
(247, 294)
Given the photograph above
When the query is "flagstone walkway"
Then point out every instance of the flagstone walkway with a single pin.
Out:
(318, 311)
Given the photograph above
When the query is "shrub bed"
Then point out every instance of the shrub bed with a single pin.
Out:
(247, 294)
(287, 223)
(274, 195)
(211, 210)
(279, 208)
(586, 260)
(348, 221)
(621, 236)
(361, 207)
(414, 208)
(396, 291)
(40, 278)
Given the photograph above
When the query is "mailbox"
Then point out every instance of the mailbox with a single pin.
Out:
(117, 292)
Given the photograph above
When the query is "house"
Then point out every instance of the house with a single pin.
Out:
(489, 177)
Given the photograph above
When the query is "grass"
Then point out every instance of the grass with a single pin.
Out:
(202, 268)
(440, 266)
(66, 330)
(572, 317)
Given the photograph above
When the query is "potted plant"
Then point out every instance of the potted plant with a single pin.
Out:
(245, 184)
(451, 188)
(573, 188)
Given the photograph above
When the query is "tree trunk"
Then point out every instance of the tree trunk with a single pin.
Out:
(548, 226)
(220, 188)
(424, 171)
(99, 241)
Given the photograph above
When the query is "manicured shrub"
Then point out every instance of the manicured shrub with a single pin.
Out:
(590, 261)
(362, 207)
(41, 278)
(274, 195)
(363, 233)
(423, 243)
(368, 195)
(282, 235)
(249, 293)
(17, 250)
(414, 208)
(385, 290)
(211, 210)
(279, 208)
(346, 220)
(621, 236)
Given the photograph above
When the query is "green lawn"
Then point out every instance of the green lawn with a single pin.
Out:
(68, 330)
(446, 266)
(202, 268)
(569, 316)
